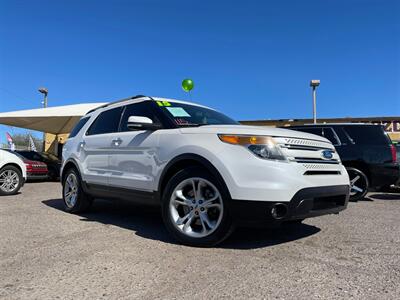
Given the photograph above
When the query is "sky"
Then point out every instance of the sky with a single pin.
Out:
(248, 59)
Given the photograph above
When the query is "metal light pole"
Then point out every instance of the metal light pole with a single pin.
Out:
(44, 91)
(314, 84)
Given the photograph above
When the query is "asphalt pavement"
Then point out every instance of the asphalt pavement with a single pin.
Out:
(122, 251)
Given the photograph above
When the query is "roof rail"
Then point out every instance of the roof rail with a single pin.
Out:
(117, 101)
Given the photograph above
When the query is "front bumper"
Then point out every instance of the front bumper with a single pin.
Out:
(248, 177)
(306, 203)
(36, 176)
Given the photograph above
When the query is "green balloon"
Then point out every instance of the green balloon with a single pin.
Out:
(187, 85)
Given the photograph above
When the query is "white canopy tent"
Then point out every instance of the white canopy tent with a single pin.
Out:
(55, 120)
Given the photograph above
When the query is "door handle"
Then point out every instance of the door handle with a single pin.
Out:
(117, 142)
(81, 146)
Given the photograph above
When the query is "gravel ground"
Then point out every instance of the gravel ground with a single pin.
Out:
(120, 251)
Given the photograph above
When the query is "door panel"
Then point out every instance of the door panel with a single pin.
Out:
(95, 158)
(97, 144)
(133, 161)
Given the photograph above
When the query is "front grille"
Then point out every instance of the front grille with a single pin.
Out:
(305, 160)
(309, 155)
(321, 203)
(322, 172)
(312, 166)
(308, 148)
(295, 142)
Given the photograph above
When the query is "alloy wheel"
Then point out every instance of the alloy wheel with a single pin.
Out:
(71, 190)
(358, 183)
(196, 207)
(9, 181)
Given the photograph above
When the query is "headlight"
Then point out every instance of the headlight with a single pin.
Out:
(262, 146)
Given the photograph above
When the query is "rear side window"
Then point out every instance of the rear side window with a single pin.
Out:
(106, 122)
(78, 127)
(366, 135)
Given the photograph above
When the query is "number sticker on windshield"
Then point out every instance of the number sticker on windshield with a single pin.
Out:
(163, 103)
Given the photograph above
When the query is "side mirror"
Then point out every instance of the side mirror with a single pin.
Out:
(142, 123)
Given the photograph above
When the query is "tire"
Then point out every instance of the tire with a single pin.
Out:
(74, 198)
(198, 219)
(359, 184)
(11, 180)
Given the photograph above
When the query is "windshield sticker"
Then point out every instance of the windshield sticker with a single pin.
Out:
(180, 121)
(163, 103)
(178, 112)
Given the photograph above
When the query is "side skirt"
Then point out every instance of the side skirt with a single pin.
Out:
(109, 192)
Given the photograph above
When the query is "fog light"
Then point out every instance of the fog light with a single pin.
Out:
(279, 211)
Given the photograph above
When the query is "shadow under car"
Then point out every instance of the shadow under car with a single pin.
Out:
(147, 222)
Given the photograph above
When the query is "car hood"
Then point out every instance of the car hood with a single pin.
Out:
(252, 130)
(5, 155)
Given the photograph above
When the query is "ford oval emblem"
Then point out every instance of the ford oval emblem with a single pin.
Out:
(327, 154)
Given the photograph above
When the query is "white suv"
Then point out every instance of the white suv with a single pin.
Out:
(12, 173)
(206, 171)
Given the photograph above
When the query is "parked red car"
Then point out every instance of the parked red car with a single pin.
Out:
(35, 170)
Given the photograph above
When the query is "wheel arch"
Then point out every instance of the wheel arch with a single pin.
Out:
(363, 167)
(185, 160)
(71, 163)
(13, 165)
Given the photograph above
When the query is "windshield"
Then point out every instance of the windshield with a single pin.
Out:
(30, 155)
(184, 115)
(49, 156)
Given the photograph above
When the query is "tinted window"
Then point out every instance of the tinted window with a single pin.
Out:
(329, 134)
(78, 127)
(30, 155)
(366, 135)
(192, 115)
(313, 130)
(325, 132)
(141, 109)
(106, 122)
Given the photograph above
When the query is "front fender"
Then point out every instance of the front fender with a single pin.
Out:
(205, 149)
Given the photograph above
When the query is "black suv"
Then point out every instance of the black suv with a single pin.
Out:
(365, 150)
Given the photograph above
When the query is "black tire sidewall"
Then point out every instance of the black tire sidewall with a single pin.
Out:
(225, 227)
(20, 179)
(365, 178)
